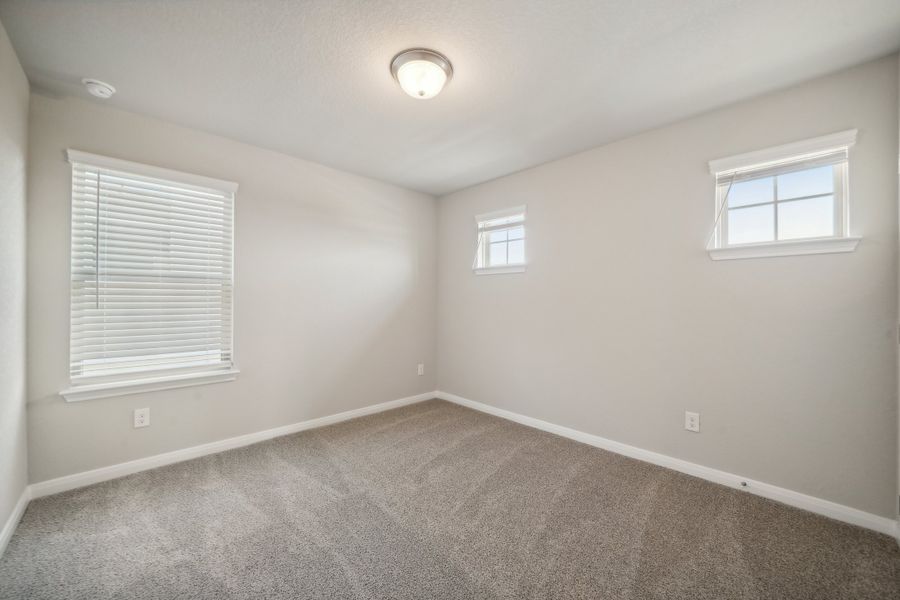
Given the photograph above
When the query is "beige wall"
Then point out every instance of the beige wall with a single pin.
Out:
(622, 321)
(13, 142)
(334, 298)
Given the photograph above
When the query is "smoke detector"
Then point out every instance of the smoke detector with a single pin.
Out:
(98, 88)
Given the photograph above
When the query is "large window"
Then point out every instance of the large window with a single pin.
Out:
(151, 272)
(784, 195)
(501, 241)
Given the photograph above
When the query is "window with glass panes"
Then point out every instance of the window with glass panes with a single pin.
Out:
(501, 239)
(799, 198)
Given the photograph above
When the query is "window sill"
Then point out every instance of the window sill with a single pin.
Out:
(792, 248)
(78, 393)
(500, 270)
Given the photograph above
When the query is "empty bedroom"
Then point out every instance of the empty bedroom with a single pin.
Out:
(488, 300)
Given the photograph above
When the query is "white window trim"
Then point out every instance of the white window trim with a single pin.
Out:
(831, 245)
(97, 160)
(150, 384)
(842, 241)
(500, 270)
(122, 385)
(499, 214)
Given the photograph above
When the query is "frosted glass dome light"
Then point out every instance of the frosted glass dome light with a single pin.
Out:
(421, 73)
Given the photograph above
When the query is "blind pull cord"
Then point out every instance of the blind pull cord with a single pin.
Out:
(720, 210)
(97, 246)
(477, 248)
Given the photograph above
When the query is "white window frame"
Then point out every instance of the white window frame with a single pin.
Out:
(482, 249)
(774, 158)
(88, 388)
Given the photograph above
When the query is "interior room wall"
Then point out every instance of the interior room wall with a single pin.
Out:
(334, 295)
(13, 149)
(622, 321)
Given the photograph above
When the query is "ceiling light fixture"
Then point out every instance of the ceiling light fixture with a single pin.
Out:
(421, 73)
(98, 88)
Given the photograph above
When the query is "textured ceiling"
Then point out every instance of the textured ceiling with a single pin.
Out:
(534, 80)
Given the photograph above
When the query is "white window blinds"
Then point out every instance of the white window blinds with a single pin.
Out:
(783, 167)
(151, 280)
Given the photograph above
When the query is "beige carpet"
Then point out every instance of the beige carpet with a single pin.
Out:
(433, 501)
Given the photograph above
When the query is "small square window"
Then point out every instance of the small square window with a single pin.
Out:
(784, 196)
(501, 241)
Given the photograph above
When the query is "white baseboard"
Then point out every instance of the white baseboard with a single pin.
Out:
(816, 505)
(77, 480)
(811, 503)
(13, 521)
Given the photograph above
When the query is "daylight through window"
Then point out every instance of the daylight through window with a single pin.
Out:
(797, 197)
(501, 241)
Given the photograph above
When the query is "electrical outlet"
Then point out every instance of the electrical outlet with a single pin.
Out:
(421, 369)
(692, 421)
(141, 417)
